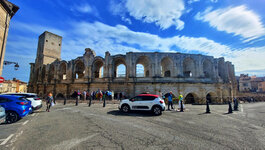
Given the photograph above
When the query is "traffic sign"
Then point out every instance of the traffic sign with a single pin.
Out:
(2, 79)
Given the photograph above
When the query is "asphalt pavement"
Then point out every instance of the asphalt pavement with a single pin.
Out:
(95, 127)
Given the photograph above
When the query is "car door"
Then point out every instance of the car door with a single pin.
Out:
(147, 102)
(136, 102)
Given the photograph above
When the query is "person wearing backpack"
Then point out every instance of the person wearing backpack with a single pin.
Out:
(49, 101)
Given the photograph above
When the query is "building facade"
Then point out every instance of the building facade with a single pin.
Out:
(249, 83)
(7, 11)
(13, 86)
(196, 77)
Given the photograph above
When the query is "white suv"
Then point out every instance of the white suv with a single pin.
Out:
(36, 102)
(147, 102)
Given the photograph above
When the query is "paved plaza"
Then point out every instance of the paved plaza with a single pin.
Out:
(95, 127)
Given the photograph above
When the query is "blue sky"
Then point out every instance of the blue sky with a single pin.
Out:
(233, 29)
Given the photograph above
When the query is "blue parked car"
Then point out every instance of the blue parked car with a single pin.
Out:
(16, 107)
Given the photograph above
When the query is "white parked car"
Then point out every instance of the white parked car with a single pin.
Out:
(36, 102)
(2, 115)
(146, 102)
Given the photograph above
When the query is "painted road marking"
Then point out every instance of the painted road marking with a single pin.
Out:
(25, 122)
(33, 114)
(6, 140)
(2, 139)
(241, 106)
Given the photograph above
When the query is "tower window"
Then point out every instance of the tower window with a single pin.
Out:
(52, 43)
(46, 40)
(59, 44)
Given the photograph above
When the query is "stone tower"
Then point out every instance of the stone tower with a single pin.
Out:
(49, 49)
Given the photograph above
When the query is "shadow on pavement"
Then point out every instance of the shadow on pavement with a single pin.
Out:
(40, 111)
(132, 113)
(204, 113)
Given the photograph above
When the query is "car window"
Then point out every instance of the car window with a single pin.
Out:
(148, 98)
(3, 100)
(137, 98)
(23, 99)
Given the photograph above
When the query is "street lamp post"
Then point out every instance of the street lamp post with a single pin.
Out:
(16, 66)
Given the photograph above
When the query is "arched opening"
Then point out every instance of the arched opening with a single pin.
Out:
(211, 97)
(98, 69)
(142, 67)
(121, 71)
(190, 99)
(140, 70)
(166, 67)
(62, 73)
(119, 67)
(79, 70)
(51, 74)
(60, 96)
(188, 67)
(207, 68)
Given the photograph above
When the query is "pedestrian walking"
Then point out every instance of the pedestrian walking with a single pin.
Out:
(49, 101)
(78, 95)
(181, 100)
(170, 101)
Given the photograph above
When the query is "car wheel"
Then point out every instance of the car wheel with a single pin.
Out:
(157, 110)
(11, 117)
(125, 108)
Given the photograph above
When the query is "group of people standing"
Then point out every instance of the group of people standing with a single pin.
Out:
(93, 95)
(169, 96)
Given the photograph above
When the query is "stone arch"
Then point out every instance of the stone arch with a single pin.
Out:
(211, 97)
(118, 63)
(60, 96)
(51, 73)
(98, 68)
(79, 69)
(166, 67)
(190, 98)
(189, 67)
(145, 62)
(207, 68)
(62, 71)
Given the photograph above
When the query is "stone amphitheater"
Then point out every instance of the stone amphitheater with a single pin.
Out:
(197, 77)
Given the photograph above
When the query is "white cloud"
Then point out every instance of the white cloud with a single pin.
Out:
(237, 20)
(84, 8)
(164, 13)
(251, 58)
(192, 1)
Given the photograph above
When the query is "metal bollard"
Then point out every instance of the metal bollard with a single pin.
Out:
(207, 107)
(76, 102)
(64, 102)
(104, 102)
(181, 106)
(89, 104)
(230, 108)
(235, 105)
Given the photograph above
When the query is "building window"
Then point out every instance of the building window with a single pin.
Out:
(245, 84)
(46, 40)
(59, 44)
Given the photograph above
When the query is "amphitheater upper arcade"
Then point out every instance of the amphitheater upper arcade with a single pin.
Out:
(173, 67)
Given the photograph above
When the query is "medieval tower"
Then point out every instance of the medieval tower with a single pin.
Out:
(49, 49)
